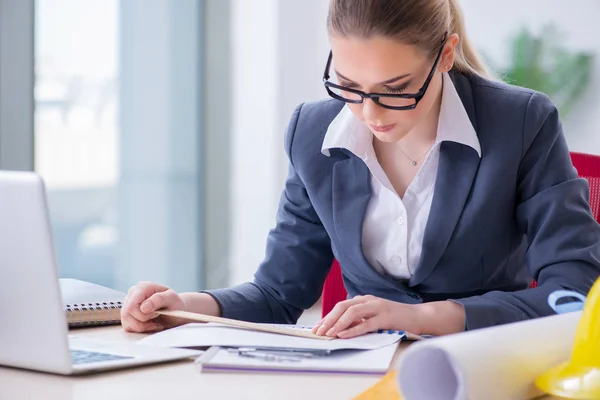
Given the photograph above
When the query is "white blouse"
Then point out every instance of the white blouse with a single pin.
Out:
(393, 227)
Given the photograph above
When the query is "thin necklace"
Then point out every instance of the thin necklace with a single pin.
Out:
(414, 162)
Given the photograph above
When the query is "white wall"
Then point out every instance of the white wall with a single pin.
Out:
(279, 51)
(491, 24)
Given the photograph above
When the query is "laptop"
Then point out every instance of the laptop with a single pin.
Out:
(34, 333)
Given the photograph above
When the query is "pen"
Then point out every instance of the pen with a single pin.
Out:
(286, 350)
(268, 356)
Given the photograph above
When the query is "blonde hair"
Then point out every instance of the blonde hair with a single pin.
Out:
(419, 22)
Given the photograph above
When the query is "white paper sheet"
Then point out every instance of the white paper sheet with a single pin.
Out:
(343, 361)
(494, 363)
(203, 335)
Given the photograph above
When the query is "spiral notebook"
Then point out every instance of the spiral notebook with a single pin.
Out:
(88, 304)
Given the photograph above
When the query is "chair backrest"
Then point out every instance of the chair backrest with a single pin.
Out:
(333, 290)
(587, 165)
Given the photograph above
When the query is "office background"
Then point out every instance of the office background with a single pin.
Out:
(158, 125)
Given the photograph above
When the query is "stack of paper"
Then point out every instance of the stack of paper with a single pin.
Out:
(212, 334)
(362, 362)
(367, 354)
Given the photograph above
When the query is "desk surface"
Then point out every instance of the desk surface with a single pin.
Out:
(174, 381)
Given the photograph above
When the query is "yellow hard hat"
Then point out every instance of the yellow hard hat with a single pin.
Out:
(579, 378)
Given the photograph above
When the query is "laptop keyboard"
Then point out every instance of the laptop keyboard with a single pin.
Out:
(87, 357)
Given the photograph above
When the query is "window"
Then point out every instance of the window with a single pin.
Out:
(117, 138)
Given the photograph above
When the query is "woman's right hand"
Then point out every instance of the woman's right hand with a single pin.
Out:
(138, 313)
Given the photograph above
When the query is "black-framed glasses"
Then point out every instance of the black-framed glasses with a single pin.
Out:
(400, 101)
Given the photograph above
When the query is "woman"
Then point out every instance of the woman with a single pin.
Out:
(441, 192)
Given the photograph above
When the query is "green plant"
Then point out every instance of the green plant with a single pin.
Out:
(542, 63)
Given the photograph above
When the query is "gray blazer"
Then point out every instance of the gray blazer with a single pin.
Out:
(518, 213)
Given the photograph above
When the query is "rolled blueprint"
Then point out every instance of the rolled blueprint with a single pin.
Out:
(500, 362)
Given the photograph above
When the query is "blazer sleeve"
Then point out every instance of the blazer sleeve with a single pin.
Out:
(297, 259)
(553, 211)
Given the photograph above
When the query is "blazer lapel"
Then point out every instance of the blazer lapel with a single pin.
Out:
(456, 172)
(351, 192)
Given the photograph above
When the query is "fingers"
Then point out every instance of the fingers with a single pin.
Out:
(132, 318)
(368, 325)
(167, 299)
(137, 294)
(130, 324)
(329, 321)
(131, 289)
(353, 315)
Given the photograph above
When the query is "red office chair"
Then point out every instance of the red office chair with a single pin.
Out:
(333, 290)
(587, 165)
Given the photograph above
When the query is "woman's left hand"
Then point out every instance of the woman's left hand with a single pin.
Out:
(364, 314)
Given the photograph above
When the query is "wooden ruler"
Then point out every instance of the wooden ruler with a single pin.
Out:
(243, 324)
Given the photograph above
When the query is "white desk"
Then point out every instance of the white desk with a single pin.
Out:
(174, 381)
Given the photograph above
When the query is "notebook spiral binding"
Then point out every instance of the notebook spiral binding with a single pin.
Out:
(94, 314)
